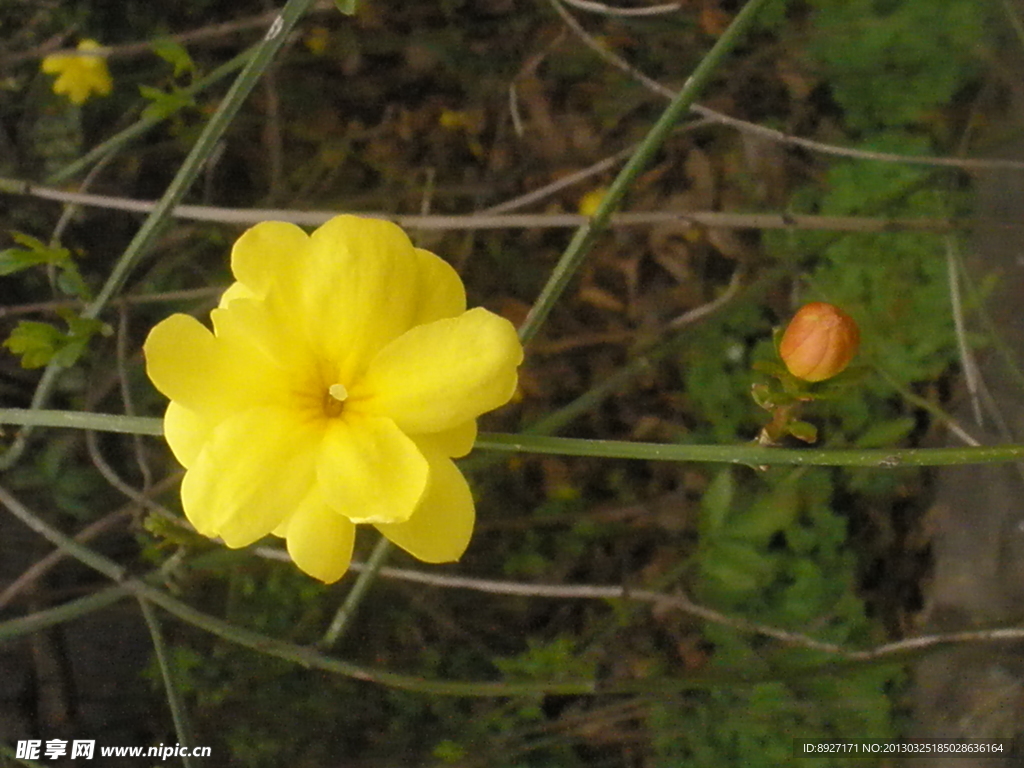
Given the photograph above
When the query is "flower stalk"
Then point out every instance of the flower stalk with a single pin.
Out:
(752, 455)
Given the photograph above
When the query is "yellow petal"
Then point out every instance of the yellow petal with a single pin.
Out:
(179, 351)
(441, 293)
(320, 540)
(185, 432)
(253, 471)
(369, 471)
(440, 529)
(209, 377)
(439, 375)
(265, 254)
(248, 327)
(368, 284)
(348, 289)
(234, 291)
(72, 85)
(455, 442)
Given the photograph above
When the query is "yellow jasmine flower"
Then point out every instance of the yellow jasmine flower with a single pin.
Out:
(80, 76)
(342, 375)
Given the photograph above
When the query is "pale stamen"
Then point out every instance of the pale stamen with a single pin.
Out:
(336, 395)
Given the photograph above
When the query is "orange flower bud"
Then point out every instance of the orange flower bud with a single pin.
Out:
(819, 342)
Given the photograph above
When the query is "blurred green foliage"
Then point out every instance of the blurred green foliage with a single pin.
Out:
(775, 551)
(891, 63)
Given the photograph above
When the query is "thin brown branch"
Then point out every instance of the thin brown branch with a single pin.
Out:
(608, 10)
(45, 307)
(727, 220)
(683, 603)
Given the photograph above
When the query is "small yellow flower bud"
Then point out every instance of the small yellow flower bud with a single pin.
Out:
(591, 200)
(317, 40)
(819, 342)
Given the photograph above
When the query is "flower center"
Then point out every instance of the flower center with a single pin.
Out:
(334, 400)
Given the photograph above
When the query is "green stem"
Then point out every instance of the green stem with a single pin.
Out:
(99, 422)
(585, 236)
(50, 617)
(178, 712)
(752, 455)
(355, 596)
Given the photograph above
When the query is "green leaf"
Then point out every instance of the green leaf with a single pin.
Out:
(770, 513)
(32, 253)
(83, 327)
(762, 395)
(737, 567)
(39, 344)
(770, 397)
(69, 352)
(175, 54)
(886, 433)
(806, 596)
(36, 343)
(163, 104)
(717, 501)
(15, 259)
(348, 7)
(29, 242)
(802, 430)
(448, 751)
(70, 281)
